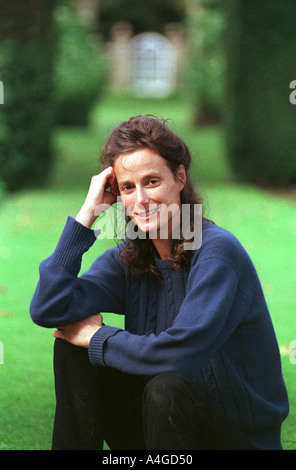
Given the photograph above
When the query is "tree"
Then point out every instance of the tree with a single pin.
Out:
(150, 15)
(27, 115)
(205, 69)
(80, 69)
(260, 120)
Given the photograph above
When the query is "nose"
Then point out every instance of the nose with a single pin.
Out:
(142, 198)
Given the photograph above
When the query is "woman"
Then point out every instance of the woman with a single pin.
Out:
(197, 366)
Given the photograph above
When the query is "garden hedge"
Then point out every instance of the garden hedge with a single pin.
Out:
(27, 115)
(260, 119)
(80, 69)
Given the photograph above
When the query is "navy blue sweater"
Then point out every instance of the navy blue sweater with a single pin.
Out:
(210, 324)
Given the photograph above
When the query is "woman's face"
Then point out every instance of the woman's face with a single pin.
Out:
(148, 188)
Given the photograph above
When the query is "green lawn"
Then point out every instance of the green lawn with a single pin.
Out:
(30, 225)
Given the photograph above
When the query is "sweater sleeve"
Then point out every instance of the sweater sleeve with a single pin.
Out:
(210, 312)
(61, 296)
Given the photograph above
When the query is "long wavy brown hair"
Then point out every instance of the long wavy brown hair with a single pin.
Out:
(153, 133)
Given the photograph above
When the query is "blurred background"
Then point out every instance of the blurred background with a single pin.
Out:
(219, 70)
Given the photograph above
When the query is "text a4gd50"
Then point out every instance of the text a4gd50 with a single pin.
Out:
(131, 461)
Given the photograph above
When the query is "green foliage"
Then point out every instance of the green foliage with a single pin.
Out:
(205, 70)
(150, 15)
(260, 120)
(27, 115)
(80, 69)
(2, 192)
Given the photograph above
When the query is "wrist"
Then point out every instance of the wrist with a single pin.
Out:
(86, 217)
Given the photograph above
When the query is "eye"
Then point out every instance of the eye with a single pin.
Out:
(153, 182)
(126, 188)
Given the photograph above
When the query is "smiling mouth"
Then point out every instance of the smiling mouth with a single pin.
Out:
(146, 215)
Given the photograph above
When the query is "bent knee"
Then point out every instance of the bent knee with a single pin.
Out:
(163, 390)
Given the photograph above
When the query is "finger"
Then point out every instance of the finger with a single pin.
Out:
(59, 333)
(108, 173)
(102, 178)
(99, 318)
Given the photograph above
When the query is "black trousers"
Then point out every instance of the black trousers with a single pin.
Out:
(96, 404)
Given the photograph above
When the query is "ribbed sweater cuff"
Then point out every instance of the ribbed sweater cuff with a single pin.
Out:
(75, 240)
(96, 345)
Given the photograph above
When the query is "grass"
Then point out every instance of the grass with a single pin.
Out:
(31, 223)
